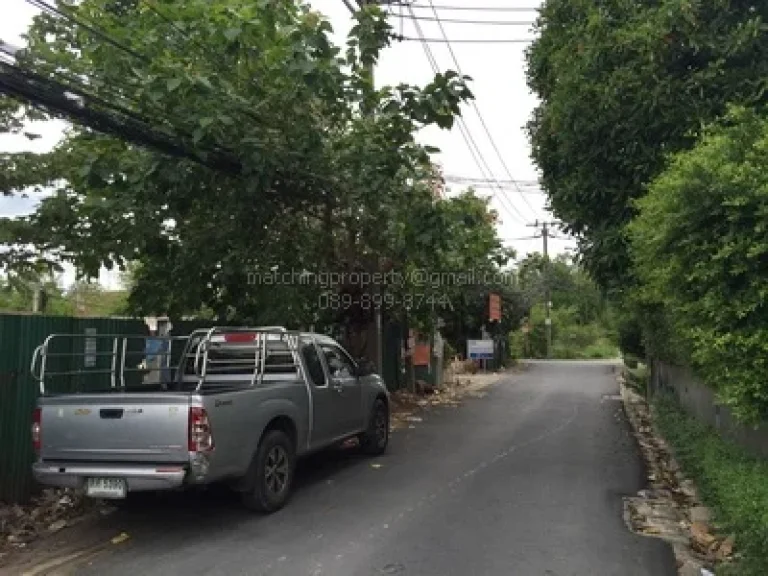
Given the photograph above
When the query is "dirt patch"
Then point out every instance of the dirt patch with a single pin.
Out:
(408, 407)
(47, 515)
(670, 509)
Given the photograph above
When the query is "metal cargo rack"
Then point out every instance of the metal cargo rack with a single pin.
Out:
(115, 356)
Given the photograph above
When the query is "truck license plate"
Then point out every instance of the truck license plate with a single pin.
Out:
(106, 487)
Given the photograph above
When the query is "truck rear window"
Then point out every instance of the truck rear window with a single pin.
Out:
(228, 359)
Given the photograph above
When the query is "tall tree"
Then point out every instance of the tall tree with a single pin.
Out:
(701, 248)
(622, 85)
(286, 156)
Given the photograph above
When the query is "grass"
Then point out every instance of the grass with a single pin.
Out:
(732, 483)
(601, 349)
(637, 377)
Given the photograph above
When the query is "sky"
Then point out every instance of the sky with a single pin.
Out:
(502, 100)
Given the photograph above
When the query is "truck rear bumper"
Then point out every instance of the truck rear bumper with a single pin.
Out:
(139, 478)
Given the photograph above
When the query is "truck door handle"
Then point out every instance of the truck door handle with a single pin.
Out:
(113, 413)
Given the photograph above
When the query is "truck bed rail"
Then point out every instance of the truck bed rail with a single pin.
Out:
(220, 353)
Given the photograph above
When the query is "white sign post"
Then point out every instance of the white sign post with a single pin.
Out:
(480, 350)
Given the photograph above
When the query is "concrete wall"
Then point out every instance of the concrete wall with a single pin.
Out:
(699, 401)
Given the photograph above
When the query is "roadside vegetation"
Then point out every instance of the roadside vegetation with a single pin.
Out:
(731, 482)
(582, 321)
(665, 187)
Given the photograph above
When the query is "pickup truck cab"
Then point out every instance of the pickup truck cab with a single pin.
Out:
(242, 406)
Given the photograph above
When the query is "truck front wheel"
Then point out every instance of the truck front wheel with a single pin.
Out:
(271, 475)
(374, 441)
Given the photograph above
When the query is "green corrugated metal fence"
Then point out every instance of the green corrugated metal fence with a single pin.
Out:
(20, 334)
(392, 344)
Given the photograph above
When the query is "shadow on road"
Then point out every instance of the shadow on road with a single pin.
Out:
(217, 506)
(167, 520)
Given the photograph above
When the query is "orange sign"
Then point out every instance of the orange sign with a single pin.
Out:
(421, 355)
(494, 307)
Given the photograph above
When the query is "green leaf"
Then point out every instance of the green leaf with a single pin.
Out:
(232, 33)
(173, 83)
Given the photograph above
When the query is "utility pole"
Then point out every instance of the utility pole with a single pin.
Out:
(545, 234)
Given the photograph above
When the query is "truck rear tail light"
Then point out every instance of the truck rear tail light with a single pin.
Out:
(37, 429)
(200, 434)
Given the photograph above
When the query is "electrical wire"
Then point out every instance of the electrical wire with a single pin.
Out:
(49, 95)
(119, 103)
(478, 8)
(469, 179)
(78, 87)
(477, 110)
(469, 140)
(481, 22)
(466, 40)
(474, 149)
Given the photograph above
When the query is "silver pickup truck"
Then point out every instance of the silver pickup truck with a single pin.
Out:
(240, 407)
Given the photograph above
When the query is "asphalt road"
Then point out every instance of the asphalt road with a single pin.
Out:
(527, 480)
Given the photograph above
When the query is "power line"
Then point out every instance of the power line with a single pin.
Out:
(469, 140)
(119, 104)
(470, 179)
(466, 40)
(477, 109)
(481, 22)
(79, 87)
(479, 8)
(504, 190)
(51, 95)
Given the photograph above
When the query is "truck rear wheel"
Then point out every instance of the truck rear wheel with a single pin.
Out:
(271, 475)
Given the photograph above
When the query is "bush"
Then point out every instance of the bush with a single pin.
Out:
(570, 338)
(733, 483)
(637, 378)
(517, 345)
(603, 348)
(630, 335)
(631, 361)
(700, 243)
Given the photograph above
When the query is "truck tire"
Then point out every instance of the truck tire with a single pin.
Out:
(374, 441)
(271, 475)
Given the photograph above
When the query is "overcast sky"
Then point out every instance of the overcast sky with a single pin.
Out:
(501, 96)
